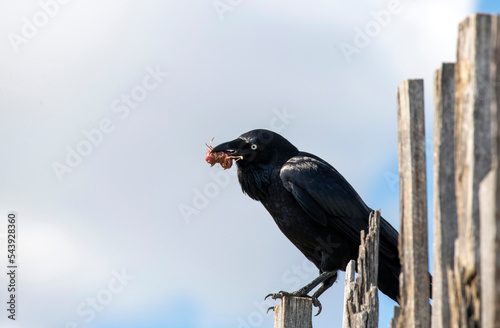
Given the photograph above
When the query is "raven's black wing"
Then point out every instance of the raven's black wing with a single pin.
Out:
(327, 197)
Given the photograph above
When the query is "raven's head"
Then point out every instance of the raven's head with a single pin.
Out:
(259, 148)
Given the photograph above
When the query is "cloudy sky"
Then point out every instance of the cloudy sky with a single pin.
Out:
(105, 109)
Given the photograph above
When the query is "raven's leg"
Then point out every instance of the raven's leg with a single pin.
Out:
(326, 284)
(307, 288)
(327, 278)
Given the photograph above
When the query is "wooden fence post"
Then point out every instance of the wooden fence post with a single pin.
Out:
(489, 199)
(293, 312)
(445, 204)
(361, 297)
(472, 161)
(414, 279)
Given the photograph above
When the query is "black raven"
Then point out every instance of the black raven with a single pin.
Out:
(313, 205)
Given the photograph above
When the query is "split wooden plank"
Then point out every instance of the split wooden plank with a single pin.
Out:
(472, 161)
(361, 297)
(414, 279)
(489, 200)
(445, 204)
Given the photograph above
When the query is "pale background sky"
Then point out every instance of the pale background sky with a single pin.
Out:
(130, 206)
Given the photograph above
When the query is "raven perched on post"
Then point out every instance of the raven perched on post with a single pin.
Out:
(313, 205)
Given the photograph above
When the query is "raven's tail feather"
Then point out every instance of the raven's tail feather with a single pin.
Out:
(388, 280)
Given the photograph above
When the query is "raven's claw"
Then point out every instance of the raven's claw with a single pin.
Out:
(282, 294)
(279, 295)
(270, 308)
(317, 304)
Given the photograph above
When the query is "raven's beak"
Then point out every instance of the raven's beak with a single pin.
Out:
(227, 146)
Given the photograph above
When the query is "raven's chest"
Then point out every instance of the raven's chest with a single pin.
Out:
(267, 187)
(281, 204)
(290, 217)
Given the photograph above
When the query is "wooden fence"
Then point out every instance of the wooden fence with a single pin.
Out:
(466, 249)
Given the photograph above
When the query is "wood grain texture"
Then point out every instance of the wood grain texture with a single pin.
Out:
(445, 204)
(472, 158)
(293, 312)
(361, 296)
(489, 199)
(414, 279)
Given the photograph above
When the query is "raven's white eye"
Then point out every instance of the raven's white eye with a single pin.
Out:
(254, 147)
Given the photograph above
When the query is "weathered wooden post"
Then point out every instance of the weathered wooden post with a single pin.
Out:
(472, 162)
(445, 204)
(361, 296)
(489, 200)
(414, 279)
(293, 312)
